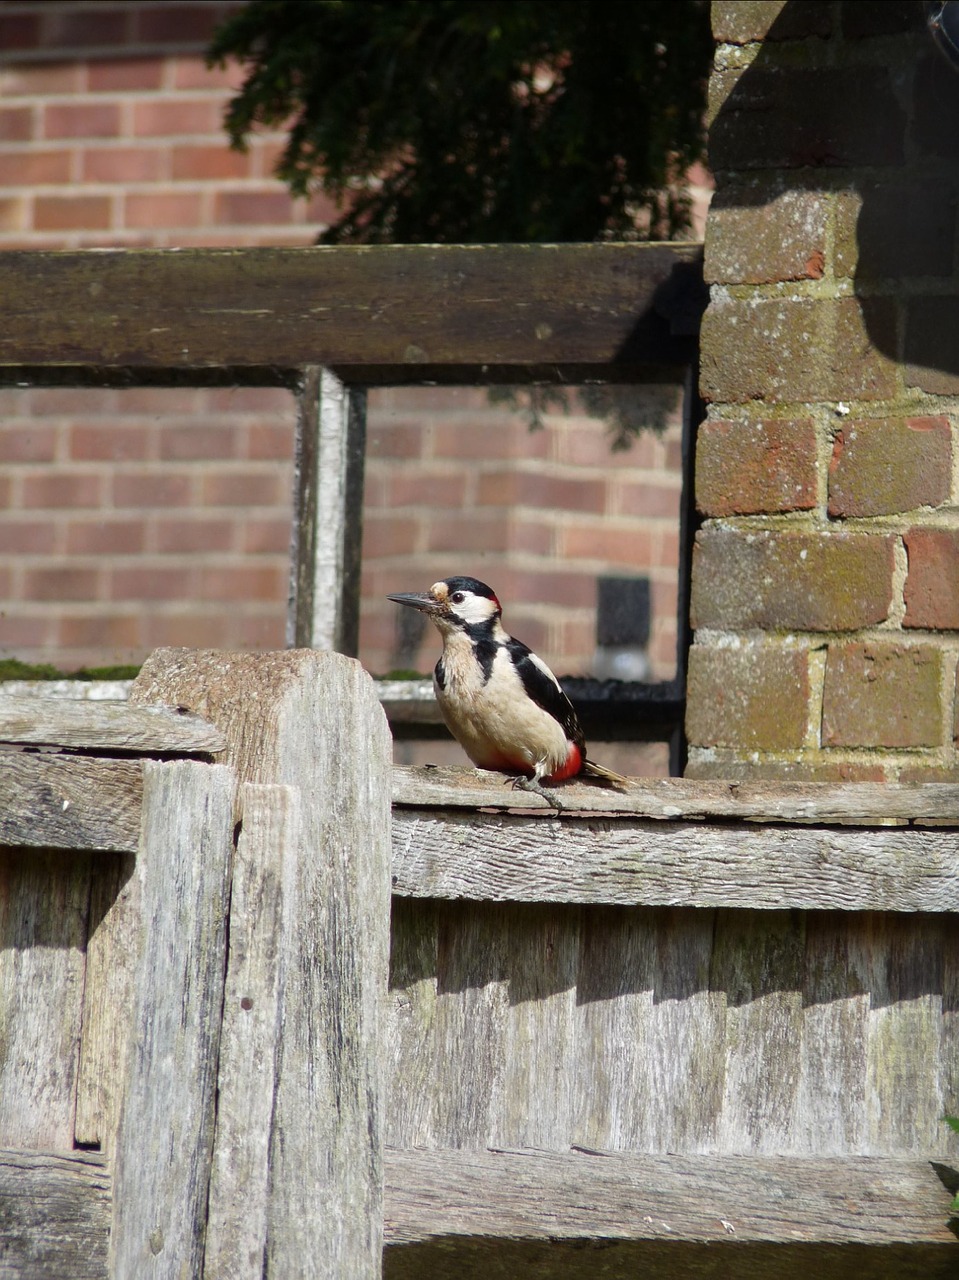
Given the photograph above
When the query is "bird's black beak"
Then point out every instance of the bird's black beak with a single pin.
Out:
(421, 600)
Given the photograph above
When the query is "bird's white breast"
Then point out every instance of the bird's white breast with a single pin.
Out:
(494, 720)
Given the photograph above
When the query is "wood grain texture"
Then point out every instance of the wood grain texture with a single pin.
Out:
(261, 913)
(820, 803)
(112, 951)
(67, 802)
(296, 719)
(54, 1215)
(44, 900)
(395, 309)
(165, 1140)
(104, 726)
(579, 1194)
(510, 857)
(670, 1029)
(501, 1213)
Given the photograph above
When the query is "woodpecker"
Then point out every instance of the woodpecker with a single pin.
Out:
(499, 700)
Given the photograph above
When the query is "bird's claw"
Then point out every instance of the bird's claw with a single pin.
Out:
(533, 784)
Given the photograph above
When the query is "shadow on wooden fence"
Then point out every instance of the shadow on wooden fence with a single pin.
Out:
(696, 1028)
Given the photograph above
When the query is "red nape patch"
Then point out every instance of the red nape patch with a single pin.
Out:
(574, 762)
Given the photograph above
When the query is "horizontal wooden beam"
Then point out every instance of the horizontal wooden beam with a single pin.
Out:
(54, 1215)
(70, 802)
(620, 860)
(105, 726)
(450, 1212)
(855, 803)
(385, 313)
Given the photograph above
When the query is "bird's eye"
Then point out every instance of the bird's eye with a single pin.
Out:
(458, 597)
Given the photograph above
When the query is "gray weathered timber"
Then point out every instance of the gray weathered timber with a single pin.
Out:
(104, 726)
(67, 802)
(327, 521)
(312, 721)
(627, 1195)
(390, 311)
(671, 1029)
(107, 1033)
(54, 1215)
(825, 803)
(165, 1141)
(585, 1214)
(260, 917)
(509, 857)
(44, 899)
(648, 1055)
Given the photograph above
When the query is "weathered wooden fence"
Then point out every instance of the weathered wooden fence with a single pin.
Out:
(691, 1029)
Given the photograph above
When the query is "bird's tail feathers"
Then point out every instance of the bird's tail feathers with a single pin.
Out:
(605, 777)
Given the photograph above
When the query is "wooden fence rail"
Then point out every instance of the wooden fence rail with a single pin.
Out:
(689, 1028)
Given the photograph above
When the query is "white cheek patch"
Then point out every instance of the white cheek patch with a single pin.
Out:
(474, 609)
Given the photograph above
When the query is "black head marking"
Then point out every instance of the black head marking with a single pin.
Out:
(471, 586)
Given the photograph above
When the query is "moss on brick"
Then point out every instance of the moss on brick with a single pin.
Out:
(890, 465)
(882, 695)
(795, 581)
(747, 468)
(754, 698)
(807, 350)
(932, 583)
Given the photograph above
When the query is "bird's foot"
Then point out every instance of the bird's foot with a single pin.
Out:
(523, 783)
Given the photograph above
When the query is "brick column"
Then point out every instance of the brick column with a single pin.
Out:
(826, 573)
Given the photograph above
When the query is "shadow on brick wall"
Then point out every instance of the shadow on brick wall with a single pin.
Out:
(847, 121)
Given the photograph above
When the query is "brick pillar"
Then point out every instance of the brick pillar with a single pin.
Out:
(825, 594)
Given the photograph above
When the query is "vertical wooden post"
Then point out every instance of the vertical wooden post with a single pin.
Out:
(165, 1139)
(310, 722)
(261, 916)
(328, 514)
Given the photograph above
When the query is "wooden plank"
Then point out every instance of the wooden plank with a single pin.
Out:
(901, 966)
(67, 802)
(260, 920)
(651, 1036)
(54, 1215)
(328, 514)
(112, 952)
(831, 1095)
(165, 1142)
(856, 803)
(392, 310)
(312, 721)
(410, 1050)
(44, 899)
(757, 965)
(507, 857)
(673, 1029)
(534, 1098)
(452, 1213)
(104, 726)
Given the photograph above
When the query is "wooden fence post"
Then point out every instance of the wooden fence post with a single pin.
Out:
(311, 723)
(165, 1140)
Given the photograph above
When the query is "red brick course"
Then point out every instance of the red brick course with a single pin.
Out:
(932, 582)
(807, 350)
(831, 248)
(791, 581)
(882, 695)
(884, 466)
(745, 468)
(754, 698)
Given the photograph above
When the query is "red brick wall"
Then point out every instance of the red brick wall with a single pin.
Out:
(132, 519)
(824, 581)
